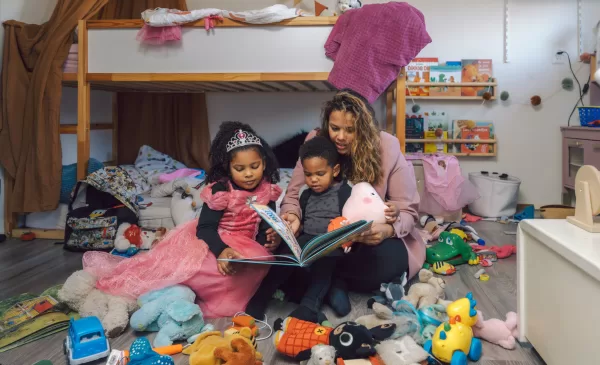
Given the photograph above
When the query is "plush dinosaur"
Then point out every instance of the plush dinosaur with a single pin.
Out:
(451, 249)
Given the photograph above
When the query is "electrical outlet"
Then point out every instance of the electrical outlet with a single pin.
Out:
(559, 58)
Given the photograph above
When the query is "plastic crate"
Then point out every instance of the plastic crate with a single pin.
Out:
(589, 116)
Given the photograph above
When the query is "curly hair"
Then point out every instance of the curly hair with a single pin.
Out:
(220, 158)
(320, 147)
(364, 162)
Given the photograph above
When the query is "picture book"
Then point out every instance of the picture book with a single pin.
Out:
(418, 71)
(462, 129)
(475, 134)
(438, 134)
(476, 71)
(414, 130)
(445, 74)
(314, 249)
(436, 127)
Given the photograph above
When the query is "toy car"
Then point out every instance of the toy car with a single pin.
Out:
(85, 341)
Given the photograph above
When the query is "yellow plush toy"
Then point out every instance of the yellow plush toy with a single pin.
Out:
(202, 350)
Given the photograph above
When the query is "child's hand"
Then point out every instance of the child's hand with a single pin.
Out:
(273, 240)
(293, 221)
(225, 267)
(391, 213)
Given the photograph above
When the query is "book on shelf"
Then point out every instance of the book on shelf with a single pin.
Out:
(414, 130)
(314, 249)
(436, 128)
(445, 74)
(473, 129)
(476, 71)
(418, 71)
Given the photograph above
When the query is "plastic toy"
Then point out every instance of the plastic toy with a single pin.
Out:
(459, 233)
(85, 341)
(452, 249)
(453, 341)
(443, 268)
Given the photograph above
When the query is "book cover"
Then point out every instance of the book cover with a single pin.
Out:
(476, 71)
(436, 127)
(314, 249)
(475, 134)
(438, 134)
(414, 130)
(418, 71)
(445, 74)
(460, 130)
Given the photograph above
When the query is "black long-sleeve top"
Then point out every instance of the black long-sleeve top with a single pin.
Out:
(208, 224)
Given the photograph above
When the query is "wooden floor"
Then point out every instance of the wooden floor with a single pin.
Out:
(35, 266)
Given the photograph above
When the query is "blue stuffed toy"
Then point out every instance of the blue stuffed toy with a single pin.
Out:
(171, 311)
(141, 353)
(390, 292)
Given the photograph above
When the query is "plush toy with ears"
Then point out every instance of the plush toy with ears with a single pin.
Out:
(241, 354)
(496, 331)
(364, 203)
(345, 5)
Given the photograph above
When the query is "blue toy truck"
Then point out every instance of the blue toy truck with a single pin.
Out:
(85, 341)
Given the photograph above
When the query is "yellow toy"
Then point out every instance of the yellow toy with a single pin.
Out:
(460, 233)
(202, 350)
(453, 342)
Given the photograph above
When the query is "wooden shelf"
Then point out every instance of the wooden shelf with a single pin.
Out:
(72, 128)
(45, 234)
(478, 98)
(460, 154)
(453, 84)
(487, 141)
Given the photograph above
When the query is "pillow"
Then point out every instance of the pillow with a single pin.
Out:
(69, 178)
(152, 164)
(141, 184)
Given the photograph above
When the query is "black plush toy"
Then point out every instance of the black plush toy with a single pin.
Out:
(287, 151)
(350, 339)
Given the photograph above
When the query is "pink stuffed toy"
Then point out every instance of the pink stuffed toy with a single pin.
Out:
(499, 332)
(364, 203)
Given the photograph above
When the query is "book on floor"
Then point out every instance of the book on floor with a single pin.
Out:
(314, 249)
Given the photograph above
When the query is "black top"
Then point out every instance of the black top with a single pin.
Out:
(208, 224)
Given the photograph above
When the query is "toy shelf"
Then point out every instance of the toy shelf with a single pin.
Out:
(491, 85)
(420, 140)
(459, 154)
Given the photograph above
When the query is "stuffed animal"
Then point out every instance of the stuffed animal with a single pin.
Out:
(499, 332)
(241, 353)
(345, 5)
(364, 203)
(350, 339)
(202, 350)
(337, 223)
(141, 353)
(129, 235)
(391, 292)
(322, 355)
(171, 311)
(80, 294)
(403, 351)
(429, 290)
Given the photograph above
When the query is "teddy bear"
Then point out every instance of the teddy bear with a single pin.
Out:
(171, 311)
(129, 235)
(345, 5)
(321, 355)
(503, 333)
(429, 290)
(241, 353)
(80, 294)
(202, 350)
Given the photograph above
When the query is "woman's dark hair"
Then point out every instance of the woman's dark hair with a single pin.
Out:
(220, 158)
(364, 160)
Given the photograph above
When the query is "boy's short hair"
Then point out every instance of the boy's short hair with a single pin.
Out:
(320, 147)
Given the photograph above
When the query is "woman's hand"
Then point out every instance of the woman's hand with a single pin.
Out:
(377, 233)
(273, 240)
(391, 213)
(293, 221)
(225, 267)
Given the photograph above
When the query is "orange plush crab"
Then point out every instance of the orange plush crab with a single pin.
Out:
(337, 223)
(242, 354)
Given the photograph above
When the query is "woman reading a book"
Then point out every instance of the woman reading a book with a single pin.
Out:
(387, 250)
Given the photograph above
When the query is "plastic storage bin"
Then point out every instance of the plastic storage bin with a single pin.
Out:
(499, 193)
(589, 116)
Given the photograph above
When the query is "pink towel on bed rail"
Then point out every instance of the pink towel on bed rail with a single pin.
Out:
(371, 44)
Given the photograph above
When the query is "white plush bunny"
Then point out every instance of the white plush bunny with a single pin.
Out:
(322, 355)
(345, 5)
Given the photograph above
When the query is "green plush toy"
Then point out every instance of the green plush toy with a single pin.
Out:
(452, 249)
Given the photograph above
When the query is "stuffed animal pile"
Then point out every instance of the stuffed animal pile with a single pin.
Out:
(203, 350)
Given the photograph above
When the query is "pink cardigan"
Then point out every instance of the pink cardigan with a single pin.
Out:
(397, 186)
(371, 44)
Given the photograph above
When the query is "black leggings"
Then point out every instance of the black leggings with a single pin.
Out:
(363, 270)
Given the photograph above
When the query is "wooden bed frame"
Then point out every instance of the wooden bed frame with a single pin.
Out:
(277, 71)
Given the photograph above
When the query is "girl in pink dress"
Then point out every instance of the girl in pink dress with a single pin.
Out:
(243, 169)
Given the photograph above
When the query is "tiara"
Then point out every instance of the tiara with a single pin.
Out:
(242, 138)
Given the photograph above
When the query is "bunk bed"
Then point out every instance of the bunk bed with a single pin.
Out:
(221, 61)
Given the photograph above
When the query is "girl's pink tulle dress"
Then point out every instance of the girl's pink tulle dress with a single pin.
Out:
(182, 258)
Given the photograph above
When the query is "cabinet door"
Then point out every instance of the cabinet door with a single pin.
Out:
(592, 153)
(574, 158)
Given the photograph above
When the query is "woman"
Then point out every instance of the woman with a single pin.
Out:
(387, 250)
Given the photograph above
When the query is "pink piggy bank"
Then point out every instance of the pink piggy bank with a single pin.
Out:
(364, 203)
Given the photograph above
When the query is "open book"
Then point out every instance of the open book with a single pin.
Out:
(314, 249)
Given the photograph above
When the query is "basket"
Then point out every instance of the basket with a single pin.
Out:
(589, 116)
(556, 211)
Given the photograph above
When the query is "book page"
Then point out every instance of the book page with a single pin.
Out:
(322, 245)
(279, 226)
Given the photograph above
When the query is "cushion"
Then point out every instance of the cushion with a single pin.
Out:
(69, 178)
(141, 184)
(152, 164)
